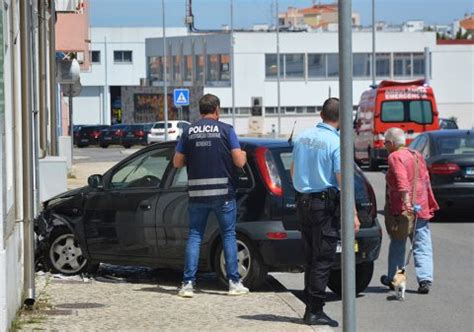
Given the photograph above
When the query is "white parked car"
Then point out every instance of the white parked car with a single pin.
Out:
(175, 129)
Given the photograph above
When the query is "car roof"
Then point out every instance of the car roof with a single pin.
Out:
(264, 142)
(450, 133)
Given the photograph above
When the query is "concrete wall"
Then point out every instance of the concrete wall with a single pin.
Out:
(11, 250)
(89, 106)
(453, 82)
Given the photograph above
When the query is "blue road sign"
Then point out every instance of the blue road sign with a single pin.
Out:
(181, 97)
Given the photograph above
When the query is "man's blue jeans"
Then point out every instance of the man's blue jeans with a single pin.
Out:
(226, 213)
(422, 253)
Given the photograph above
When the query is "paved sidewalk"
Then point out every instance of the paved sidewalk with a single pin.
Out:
(142, 299)
(151, 304)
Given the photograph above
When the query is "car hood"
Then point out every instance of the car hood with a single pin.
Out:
(66, 194)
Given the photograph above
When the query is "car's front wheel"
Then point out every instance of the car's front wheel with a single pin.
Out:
(252, 270)
(64, 254)
(364, 272)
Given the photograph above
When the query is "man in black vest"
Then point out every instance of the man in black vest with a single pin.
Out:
(210, 150)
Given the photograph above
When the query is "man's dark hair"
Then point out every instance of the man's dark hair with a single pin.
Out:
(330, 111)
(208, 104)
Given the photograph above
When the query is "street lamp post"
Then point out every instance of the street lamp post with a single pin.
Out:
(373, 43)
(232, 72)
(165, 74)
(278, 68)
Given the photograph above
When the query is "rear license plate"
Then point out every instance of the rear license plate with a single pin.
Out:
(107, 138)
(470, 171)
(84, 140)
(339, 246)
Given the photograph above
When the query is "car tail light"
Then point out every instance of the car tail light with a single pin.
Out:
(269, 171)
(95, 134)
(139, 133)
(448, 168)
(379, 141)
(277, 235)
(118, 132)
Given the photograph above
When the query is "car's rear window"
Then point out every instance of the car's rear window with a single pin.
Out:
(455, 145)
(418, 111)
(161, 125)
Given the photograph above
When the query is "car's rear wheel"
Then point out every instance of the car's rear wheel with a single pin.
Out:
(64, 254)
(103, 145)
(252, 270)
(127, 146)
(364, 272)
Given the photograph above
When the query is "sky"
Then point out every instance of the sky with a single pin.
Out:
(211, 14)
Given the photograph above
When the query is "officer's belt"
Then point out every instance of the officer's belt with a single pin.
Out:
(320, 195)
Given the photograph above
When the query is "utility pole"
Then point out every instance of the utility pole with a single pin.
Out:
(27, 154)
(278, 67)
(42, 80)
(232, 71)
(347, 167)
(165, 84)
(374, 60)
(52, 77)
(106, 84)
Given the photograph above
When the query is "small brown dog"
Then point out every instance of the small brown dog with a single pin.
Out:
(400, 283)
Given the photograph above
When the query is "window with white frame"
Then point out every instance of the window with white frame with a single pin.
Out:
(123, 57)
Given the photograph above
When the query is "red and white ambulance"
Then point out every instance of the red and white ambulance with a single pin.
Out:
(410, 106)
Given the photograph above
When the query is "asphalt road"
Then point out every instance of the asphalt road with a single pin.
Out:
(448, 307)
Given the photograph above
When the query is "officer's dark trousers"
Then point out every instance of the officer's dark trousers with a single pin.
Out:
(319, 230)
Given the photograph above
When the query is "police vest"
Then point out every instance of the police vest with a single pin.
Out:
(211, 170)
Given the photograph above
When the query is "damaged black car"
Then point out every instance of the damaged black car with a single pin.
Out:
(136, 214)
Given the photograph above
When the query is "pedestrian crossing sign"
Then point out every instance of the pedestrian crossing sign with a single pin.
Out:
(181, 97)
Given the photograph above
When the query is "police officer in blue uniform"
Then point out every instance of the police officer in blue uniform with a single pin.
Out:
(211, 152)
(316, 172)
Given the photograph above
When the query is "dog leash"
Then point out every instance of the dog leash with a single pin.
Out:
(416, 209)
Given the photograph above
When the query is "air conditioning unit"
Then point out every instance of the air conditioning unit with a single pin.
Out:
(71, 6)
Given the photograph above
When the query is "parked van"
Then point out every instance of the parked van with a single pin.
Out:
(410, 106)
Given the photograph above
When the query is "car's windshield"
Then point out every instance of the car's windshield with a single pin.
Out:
(161, 125)
(418, 111)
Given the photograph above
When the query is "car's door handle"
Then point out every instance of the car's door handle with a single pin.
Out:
(145, 205)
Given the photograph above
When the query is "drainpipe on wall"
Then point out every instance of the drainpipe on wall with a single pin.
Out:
(53, 87)
(27, 156)
(43, 135)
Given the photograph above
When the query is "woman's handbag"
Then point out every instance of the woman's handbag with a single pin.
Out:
(401, 226)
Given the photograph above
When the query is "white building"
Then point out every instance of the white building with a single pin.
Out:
(413, 26)
(118, 59)
(309, 71)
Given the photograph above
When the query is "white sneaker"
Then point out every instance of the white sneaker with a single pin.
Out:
(237, 288)
(186, 290)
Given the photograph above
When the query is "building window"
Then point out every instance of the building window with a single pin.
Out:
(188, 68)
(155, 65)
(199, 68)
(418, 64)
(333, 65)
(224, 67)
(177, 68)
(294, 66)
(95, 56)
(271, 65)
(123, 56)
(213, 67)
(316, 65)
(402, 64)
(382, 65)
(361, 64)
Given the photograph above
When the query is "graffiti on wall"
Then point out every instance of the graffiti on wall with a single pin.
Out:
(148, 107)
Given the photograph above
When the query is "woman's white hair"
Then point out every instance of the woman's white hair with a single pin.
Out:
(396, 136)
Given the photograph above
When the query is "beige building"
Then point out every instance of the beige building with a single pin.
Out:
(316, 17)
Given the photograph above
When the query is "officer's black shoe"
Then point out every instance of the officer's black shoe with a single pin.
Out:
(318, 318)
(385, 280)
(424, 287)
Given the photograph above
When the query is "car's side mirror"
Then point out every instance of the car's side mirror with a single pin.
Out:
(95, 181)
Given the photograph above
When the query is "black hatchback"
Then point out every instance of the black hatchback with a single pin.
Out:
(88, 135)
(136, 214)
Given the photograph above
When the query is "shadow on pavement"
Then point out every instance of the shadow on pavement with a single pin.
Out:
(273, 318)
(377, 290)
